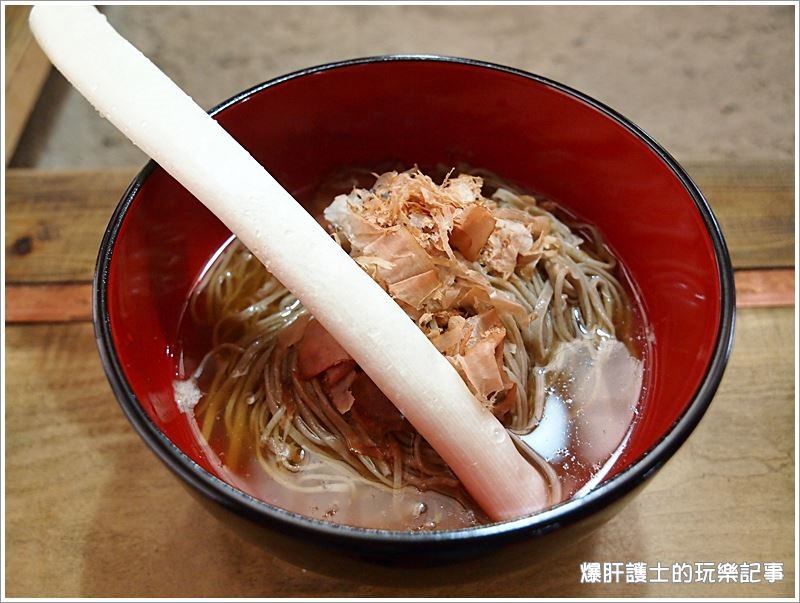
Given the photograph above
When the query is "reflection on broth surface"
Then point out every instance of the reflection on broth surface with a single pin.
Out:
(526, 303)
(592, 396)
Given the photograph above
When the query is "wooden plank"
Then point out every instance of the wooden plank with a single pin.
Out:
(48, 303)
(764, 288)
(15, 26)
(754, 202)
(55, 220)
(91, 512)
(26, 70)
(68, 302)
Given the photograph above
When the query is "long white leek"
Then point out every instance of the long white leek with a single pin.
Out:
(150, 109)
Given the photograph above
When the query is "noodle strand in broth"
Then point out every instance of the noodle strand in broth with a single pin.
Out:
(499, 283)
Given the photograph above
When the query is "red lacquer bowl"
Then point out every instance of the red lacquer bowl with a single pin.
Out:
(426, 110)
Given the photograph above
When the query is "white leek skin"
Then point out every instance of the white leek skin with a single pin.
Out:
(157, 116)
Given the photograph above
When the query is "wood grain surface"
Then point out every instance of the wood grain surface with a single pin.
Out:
(754, 202)
(60, 302)
(68, 302)
(26, 69)
(47, 212)
(90, 511)
(764, 288)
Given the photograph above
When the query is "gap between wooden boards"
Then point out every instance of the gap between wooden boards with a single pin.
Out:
(72, 302)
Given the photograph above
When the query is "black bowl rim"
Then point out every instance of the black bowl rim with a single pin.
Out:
(565, 513)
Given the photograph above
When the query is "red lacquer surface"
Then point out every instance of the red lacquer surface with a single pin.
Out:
(427, 112)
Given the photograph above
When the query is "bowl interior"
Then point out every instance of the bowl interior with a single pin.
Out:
(431, 112)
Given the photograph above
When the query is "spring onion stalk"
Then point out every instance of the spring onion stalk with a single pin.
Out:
(156, 115)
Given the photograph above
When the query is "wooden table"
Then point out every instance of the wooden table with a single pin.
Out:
(91, 511)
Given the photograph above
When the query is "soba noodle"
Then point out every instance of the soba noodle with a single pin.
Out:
(558, 287)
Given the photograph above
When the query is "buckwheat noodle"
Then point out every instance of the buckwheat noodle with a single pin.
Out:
(251, 389)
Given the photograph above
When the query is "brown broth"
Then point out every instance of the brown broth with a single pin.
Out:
(581, 435)
(567, 437)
